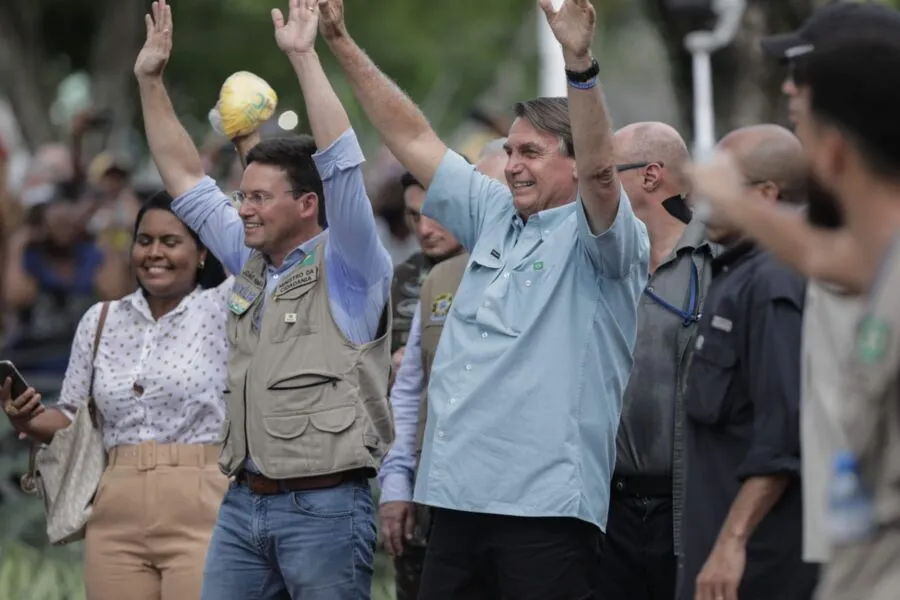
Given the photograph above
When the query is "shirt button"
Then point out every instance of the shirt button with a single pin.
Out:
(275, 276)
(506, 275)
(528, 283)
(484, 334)
(452, 400)
(441, 434)
(546, 232)
(487, 302)
(468, 367)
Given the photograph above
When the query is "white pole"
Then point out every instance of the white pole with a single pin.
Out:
(552, 76)
(704, 113)
(701, 45)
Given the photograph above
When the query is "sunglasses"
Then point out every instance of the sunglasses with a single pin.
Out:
(638, 165)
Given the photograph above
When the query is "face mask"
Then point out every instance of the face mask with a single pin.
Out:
(678, 208)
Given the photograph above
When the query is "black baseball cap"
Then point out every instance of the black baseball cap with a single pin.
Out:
(835, 20)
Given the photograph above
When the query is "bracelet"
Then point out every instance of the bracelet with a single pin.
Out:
(586, 75)
(584, 85)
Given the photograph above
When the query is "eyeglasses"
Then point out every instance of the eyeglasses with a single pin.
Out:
(638, 165)
(261, 198)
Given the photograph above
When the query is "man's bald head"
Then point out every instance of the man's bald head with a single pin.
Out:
(655, 155)
(651, 141)
(770, 153)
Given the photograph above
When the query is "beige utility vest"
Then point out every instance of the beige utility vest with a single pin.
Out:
(436, 298)
(873, 412)
(302, 399)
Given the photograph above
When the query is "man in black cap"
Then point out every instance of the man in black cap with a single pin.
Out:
(836, 20)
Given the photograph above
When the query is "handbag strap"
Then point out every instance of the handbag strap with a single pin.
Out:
(28, 482)
(92, 406)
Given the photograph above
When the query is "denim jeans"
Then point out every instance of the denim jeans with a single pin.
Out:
(309, 545)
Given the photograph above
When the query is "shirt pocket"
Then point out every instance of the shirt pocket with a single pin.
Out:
(484, 268)
(712, 373)
(526, 293)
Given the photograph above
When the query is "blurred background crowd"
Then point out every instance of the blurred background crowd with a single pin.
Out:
(74, 167)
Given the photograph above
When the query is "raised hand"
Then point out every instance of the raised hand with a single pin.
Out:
(573, 24)
(157, 48)
(297, 35)
(331, 18)
(717, 181)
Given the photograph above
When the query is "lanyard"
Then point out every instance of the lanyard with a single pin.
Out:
(688, 317)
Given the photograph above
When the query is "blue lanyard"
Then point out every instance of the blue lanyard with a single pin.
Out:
(688, 317)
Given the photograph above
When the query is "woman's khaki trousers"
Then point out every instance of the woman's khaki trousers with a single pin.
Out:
(151, 522)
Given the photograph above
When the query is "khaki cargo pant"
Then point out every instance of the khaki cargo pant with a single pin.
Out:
(152, 519)
(865, 571)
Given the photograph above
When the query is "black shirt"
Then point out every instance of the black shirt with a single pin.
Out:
(742, 404)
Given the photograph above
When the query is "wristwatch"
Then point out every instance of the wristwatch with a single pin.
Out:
(584, 76)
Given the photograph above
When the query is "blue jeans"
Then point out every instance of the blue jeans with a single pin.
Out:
(309, 545)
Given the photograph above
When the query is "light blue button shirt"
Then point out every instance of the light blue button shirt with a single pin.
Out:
(399, 466)
(359, 269)
(526, 387)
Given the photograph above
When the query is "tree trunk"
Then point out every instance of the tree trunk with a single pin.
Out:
(746, 82)
(21, 59)
(116, 44)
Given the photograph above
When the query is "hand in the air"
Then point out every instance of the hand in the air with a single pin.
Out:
(573, 24)
(157, 48)
(718, 181)
(297, 35)
(331, 18)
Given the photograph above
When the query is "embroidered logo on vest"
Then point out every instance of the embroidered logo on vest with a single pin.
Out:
(872, 339)
(301, 278)
(441, 307)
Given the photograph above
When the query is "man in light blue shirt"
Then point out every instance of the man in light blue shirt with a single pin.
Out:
(526, 388)
(403, 525)
(309, 536)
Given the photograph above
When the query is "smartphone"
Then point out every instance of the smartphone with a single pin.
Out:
(19, 385)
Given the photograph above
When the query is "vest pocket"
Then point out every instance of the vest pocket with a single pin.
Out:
(329, 442)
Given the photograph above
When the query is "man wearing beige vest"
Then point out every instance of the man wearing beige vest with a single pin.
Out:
(308, 421)
(403, 524)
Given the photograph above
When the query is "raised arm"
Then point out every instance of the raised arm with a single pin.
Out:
(592, 133)
(296, 37)
(827, 255)
(173, 151)
(353, 237)
(399, 121)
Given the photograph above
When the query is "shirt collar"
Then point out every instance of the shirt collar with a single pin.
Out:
(138, 300)
(734, 255)
(546, 220)
(297, 254)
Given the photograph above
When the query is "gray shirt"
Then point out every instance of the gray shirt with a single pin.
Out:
(667, 317)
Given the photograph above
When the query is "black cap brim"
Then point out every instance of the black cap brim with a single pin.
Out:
(780, 46)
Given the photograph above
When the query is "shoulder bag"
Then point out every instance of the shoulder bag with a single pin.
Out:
(66, 473)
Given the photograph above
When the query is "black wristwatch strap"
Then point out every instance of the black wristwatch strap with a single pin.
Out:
(584, 76)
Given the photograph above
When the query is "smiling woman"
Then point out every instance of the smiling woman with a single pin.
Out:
(156, 370)
(168, 258)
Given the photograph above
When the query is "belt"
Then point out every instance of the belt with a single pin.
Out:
(642, 485)
(146, 456)
(262, 485)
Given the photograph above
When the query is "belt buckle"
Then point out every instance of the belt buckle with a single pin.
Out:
(146, 456)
